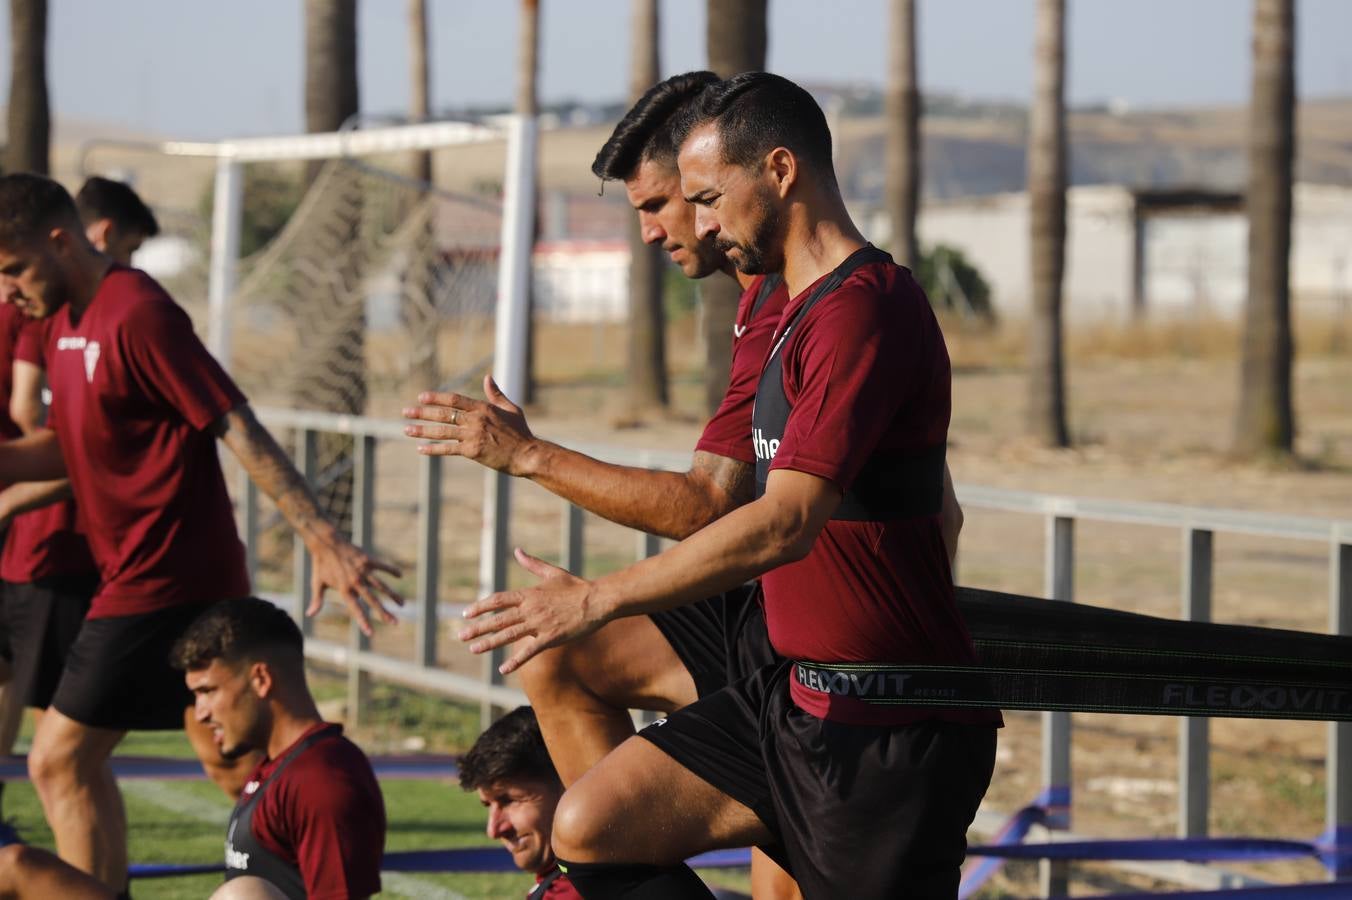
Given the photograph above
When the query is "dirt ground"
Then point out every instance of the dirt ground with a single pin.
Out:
(1152, 413)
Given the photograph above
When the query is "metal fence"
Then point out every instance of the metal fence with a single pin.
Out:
(1197, 527)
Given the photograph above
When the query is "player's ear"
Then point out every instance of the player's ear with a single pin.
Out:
(260, 679)
(100, 233)
(782, 168)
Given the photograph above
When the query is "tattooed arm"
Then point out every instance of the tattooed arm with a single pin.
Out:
(338, 564)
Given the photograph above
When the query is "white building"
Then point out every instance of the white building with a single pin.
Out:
(1168, 252)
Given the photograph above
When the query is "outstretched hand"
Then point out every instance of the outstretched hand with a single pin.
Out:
(557, 610)
(491, 432)
(351, 572)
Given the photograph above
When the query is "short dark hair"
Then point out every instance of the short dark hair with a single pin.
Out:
(756, 112)
(103, 198)
(237, 630)
(32, 205)
(648, 130)
(511, 749)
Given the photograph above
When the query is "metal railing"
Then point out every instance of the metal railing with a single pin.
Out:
(1196, 525)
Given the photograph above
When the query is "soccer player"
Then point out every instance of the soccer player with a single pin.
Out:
(115, 218)
(583, 691)
(511, 771)
(138, 405)
(816, 758)
(311, 822)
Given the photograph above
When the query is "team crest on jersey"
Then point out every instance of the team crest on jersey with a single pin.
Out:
(91, 359)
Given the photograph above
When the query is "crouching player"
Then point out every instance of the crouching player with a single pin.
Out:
(311, 820)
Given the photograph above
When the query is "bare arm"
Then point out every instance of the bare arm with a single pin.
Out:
(33, 457)
(25, 396)
(338, 564)
(29, 495)
(779, 527)
(494, 433)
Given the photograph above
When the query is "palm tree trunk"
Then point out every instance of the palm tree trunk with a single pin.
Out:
(647, 323)
(736, 40)
(29, 146)
(903, 136)
(419, 295)
(1047, 213)
(330, 67)
(1266, 422)
(331, 98)
(527, 104)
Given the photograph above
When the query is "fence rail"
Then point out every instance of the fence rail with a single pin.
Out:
(1197, 527)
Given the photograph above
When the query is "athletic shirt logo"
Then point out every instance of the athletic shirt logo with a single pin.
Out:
(91, 359)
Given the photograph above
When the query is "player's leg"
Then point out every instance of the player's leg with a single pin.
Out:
(27, 873)
(68, 764)
(230, 775)
(248, 887)
(582, 691)
(769, 881)
(626, 827)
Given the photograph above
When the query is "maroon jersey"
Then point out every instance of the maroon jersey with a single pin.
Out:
(313, 818)
(728, 433)
(46, 542)
(133, 392)
(866, 376)
(553, 885)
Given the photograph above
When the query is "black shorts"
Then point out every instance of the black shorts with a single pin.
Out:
(863, 811)
(118, 674)
(43, 617)
(721, 639)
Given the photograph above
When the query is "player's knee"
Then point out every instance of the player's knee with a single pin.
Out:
(248, 887)
(48, 766)
(11, 866)
(229, 778)
(547, 673)
(580, 824)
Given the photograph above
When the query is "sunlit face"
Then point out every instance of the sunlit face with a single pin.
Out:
(32, 279)
(665, 218)
(738, 208)
(113, 241)
(225, 696)
(521, 816)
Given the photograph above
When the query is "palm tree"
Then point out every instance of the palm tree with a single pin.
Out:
(1266, 423)
(527, 104)
(647, 324)
(420, 277)
(1047, 213)
(419, 80)
(29, 144)
(903, 136)
(736, 41)
(331, 96)
(338, 341)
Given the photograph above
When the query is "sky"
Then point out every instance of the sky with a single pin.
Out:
(207, 69)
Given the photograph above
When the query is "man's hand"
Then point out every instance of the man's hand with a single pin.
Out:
(557, 610)
(493, 433)
(347, 569)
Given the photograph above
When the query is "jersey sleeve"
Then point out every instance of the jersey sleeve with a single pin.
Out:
(339, 837)
(28, 347)
(858, 358)
(728, 433)
(170, 363)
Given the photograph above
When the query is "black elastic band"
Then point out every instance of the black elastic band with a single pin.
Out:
(1048, 655)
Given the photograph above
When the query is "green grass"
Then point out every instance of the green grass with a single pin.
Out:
(184, 821)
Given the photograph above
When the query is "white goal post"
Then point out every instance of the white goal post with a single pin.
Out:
(513, 264)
